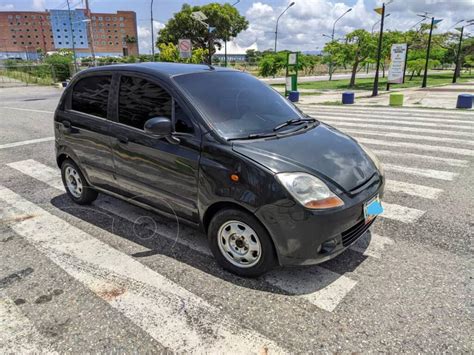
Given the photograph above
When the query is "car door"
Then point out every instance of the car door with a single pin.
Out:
(86, 128)
(162, 172)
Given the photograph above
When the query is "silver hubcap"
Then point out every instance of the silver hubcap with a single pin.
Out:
(73, 182)
(239, 244)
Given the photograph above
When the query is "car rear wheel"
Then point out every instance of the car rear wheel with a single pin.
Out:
(240, 243)
(75, 184)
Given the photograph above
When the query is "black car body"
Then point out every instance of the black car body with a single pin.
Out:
(213, 158)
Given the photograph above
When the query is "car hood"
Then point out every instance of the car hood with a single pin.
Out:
(322, 151)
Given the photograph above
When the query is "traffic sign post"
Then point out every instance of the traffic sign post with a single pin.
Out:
(396, 71)
(185, 48)
(291, 72)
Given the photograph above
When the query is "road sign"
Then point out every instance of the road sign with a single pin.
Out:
(397, 63)
(185, 48)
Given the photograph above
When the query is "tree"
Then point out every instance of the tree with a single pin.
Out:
(225, 18)
(169, 53)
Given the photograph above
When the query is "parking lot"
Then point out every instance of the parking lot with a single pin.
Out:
(113, 277)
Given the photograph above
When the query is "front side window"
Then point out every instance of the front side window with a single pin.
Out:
(237, 104)
(140, 100)
(90, 95)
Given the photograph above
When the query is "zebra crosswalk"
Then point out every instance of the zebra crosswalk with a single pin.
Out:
(162, 307)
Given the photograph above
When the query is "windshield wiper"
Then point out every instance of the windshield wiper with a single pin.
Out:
(254, 136)
(294, 121)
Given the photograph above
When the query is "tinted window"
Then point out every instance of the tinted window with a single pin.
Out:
(237, 104)
(183, 123)
(140, 100)
(90, 95)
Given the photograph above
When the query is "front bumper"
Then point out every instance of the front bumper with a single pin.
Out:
(307, 237)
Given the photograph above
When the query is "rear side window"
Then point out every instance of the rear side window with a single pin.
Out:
(90, 95)
(140, 100)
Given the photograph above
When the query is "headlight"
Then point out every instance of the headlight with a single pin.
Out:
(309, 190)
(373, 157)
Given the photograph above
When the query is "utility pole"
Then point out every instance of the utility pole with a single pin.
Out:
(331, 65)
(375, 90)
(73, 38)
(152, 36)
(90, 34)
(425, 74)
(458, 57)
(278, 19)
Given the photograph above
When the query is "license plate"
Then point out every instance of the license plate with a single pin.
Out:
(372, 208)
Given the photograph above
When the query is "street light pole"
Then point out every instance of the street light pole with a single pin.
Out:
(332, 39)
(458, 56)
(225, 41)
(375, 89)
(278, 19)
(152, 37)
(373, 27)
(425, 74)
(91, 35)
(72, 34)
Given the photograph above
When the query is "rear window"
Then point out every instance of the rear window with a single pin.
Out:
(90, 95)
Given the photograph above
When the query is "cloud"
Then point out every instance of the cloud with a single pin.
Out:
(38, 5)
(144, 36)
(303, 25)
(7, 7)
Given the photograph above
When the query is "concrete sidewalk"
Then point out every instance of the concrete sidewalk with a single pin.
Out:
(432, 97)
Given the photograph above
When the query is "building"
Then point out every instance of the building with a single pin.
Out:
(23, 34)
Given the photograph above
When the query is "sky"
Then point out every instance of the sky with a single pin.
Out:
(300, 28)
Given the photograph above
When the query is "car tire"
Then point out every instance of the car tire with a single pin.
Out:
(75, 184)
(240, 243)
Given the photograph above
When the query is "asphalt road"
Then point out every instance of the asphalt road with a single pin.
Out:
(115, 278)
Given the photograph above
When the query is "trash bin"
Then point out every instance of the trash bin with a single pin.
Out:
(396, 99)
(464, 101)
(348, 98)
(294, 96)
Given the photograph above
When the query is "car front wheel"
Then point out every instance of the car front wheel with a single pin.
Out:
(240, 243)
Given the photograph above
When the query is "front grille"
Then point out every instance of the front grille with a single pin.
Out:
(352, 234)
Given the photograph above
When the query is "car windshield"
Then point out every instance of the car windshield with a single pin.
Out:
(237, 104)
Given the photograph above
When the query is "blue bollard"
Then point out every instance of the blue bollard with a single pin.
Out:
(464, 101)
(294, 96)
(348, 98)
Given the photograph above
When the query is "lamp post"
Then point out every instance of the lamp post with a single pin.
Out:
(457, 68)
(381, 11)
(425, 74)
(373, 27)
(152, 37)
(331, 65)
(225, 41)
(73, 38)
(278, 19)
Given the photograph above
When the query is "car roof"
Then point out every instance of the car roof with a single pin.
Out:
(164, 70)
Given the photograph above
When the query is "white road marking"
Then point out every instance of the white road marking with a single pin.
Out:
(443, 132)
(428, 148)
(18, 335)
(159, 306)
(430, 173)
(425, 158)
(401, 213)
(190, 238)
(375, 248)
(25, 109)
(442, 114)
(413, 189)
(321, 287)
(368, 119)
(417, 137)
(52, 177)
(31, 141)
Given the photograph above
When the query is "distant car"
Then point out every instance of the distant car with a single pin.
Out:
(219, 150)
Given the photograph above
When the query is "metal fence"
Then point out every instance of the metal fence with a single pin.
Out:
(13, 74)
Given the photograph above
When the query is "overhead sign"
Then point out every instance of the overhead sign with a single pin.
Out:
(397, 63)
(185, 48)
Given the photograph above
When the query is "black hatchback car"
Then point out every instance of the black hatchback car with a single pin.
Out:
(220, 150)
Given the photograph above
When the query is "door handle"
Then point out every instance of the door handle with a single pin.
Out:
(67, 126)
(122, 139)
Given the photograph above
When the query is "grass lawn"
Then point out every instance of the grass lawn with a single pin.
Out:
(434, 79)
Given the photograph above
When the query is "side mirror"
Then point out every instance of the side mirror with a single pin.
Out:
(159, 126)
